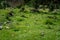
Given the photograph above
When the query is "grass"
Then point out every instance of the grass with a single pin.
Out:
(29, 26)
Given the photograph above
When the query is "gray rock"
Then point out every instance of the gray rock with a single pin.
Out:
(1, 27)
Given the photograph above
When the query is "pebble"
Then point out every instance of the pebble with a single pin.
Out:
(7, 27)
(1, 27)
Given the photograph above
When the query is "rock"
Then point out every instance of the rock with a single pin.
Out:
(7, 27)
(0, 27)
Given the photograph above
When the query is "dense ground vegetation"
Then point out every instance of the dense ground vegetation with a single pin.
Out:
(17, 25)
(30, 22)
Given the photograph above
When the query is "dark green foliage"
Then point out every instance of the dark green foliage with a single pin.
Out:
(24, 16)
(48, 22)
(51, 4)
(16, 30)
(52, 17)
(10, 14)
(4, 5)
(22, 9)
(21, 20)
(8, 18)
(27, 1)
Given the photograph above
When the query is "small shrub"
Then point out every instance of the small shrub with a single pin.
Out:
(23, 16)
(52, 17)
(48, 22)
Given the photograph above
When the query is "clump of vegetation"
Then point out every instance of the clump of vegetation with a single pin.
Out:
(49, 22)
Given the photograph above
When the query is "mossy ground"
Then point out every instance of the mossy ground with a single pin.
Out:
(29, 25)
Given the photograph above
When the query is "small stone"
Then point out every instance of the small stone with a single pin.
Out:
(7, 27)
(0, 27)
